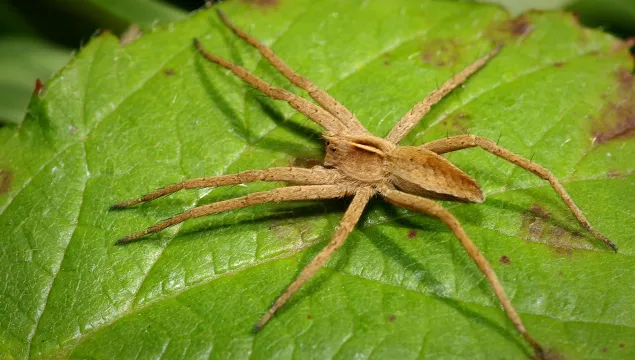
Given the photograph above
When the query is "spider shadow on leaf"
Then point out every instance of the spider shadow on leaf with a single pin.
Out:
(558, 219)
(391, 249)
(265, 104)
(271, 214)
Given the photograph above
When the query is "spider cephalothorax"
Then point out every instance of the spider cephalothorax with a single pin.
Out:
(361, 165)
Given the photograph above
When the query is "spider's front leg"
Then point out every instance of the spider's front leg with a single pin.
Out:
(467, 141)
(431, 208)
(412, 117)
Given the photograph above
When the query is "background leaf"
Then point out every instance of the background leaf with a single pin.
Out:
(23, 61)
(119, 121)
(144, 13)
(615, 16)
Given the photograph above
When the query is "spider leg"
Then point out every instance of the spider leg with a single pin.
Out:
(291, 193)
(347, 224)
(415, 114)
(312, 111)
(322, 97)
(431, 208)
(467, 141)
(300, 176)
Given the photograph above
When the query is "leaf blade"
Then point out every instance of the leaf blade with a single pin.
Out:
(135, 129)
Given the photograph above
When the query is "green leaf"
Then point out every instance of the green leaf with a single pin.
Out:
(117, 122)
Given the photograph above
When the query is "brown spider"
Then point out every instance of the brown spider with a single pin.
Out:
(361, 165)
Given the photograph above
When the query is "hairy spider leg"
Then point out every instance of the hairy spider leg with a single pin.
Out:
(412, 117)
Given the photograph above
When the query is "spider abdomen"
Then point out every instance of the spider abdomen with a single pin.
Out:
(423, 172)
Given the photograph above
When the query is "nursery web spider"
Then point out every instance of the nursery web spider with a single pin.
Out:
(361, 165)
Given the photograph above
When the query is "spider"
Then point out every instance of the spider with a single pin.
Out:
(360, 165)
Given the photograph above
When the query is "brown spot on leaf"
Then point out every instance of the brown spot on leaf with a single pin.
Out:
(387, 57)
(558, 64)
(622, 346)
(412, 234)
(505, 260)
(604, 349)
(6, 179)
(262, 3)
(519, 26)
(539, 210)
(617, 120)
(625, 78)
(308, 316)
(509, 30)
(440, 52)
(457, 123)
(290, 229)
(538, 227)
(39, 86)
(392, 317)
(168, 72)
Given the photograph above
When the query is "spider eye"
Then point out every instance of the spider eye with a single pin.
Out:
(328, 143)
